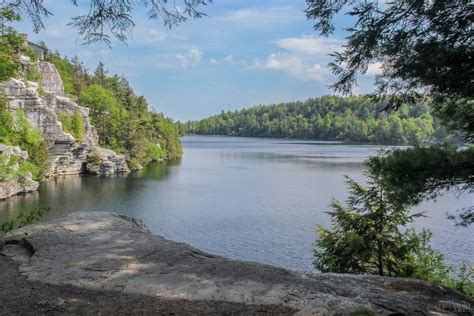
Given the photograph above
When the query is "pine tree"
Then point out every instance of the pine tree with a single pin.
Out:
(368, 235)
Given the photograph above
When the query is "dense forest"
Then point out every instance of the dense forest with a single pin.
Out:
(353, 119)
(123, 119)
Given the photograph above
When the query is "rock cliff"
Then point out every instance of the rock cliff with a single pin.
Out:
(14, 183)
(43, 103)
(115, 254)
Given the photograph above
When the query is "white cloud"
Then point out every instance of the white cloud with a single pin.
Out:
(284, 62)
(191, 57)
(310, 45)
(155, 35)
(263, 15)
(229, 59)
(212, 61)
(292, 65)
(316, 72)
(374, 69)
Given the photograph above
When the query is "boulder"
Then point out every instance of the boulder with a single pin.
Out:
(106, 162)
(109, 252)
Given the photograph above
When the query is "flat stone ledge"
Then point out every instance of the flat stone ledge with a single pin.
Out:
(109, 252)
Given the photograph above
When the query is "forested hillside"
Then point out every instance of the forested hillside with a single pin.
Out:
(353, 119)
(124, 121)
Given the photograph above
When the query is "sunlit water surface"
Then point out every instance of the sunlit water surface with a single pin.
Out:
(244, 198)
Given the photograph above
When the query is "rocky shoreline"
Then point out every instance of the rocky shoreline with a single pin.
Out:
(115, 256)
(43, 103)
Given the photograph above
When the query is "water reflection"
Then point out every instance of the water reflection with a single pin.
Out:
(244, 198)
(68, 194)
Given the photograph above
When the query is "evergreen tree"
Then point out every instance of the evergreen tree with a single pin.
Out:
(366, 235)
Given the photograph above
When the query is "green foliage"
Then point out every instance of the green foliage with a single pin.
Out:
(122, 119)
(425, 46)
(12, 169)
(11, 45)
(65, 120)
(31, 140)
(15, 130)
(41, 91)
(355, 119)
(7, 167)
(24, 218)
(107, 20)
(366, 236)
(27, 167)
(155, 152)
(414, 174)
(424, 263)
(363, 312)
(94, 158)
(73, 124)
(64, 69)
(369, 235)
(457, 114)
(73, 73)
(32, 74)
(423, 43)
(77, 127)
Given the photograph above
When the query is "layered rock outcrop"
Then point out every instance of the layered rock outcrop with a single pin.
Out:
(43, 103)
(111, 253)
(15, 183)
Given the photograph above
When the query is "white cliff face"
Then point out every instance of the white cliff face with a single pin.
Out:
(67, 155)
(52, 82)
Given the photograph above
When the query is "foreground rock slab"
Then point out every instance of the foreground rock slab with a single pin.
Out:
(108, 253)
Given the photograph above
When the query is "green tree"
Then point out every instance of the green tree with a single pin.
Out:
(366, 235)
(422, 43)
(110, 19)
(102, 103)
(353, 119)
(11, 45)
(415, 174)
(369, 235)
(15, 130)
(424, 46)
(77, 127)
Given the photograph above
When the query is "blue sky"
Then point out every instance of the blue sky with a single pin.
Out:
(247, 52)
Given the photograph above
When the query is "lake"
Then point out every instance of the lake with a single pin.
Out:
(244, 198)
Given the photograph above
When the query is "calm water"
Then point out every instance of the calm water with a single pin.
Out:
(244, 198)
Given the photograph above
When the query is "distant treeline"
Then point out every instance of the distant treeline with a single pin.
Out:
(351, 119)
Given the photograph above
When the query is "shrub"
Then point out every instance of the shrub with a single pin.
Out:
(41, 91)
(94, 158)
(7, 167)
(73, 124)
(27, 167)
(154, 152)
(32, 74)
(65, 120)
(15, 130)
(24, 219)
(77, 127)
(369, 235)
